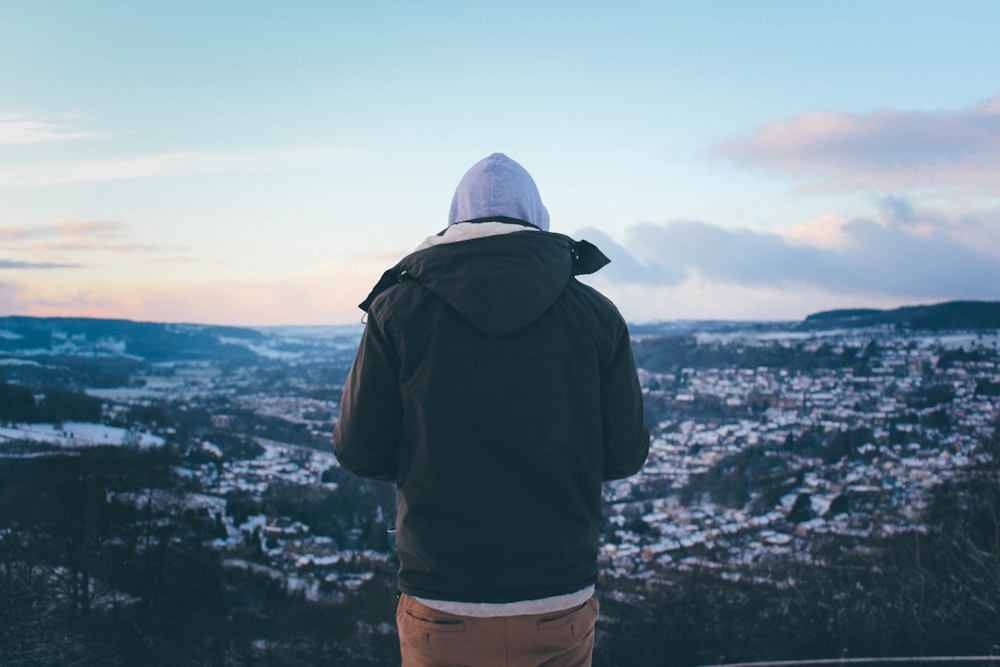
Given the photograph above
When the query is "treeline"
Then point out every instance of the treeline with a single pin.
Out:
(948, 316)
(755, 475)
(912, 594)
(234, 435)
(23, 404)
(917, 596)
(104, 561)
(670, 354)
(87, 575)
(74, 372)
(97, 568)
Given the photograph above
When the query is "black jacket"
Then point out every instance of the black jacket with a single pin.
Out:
(498, 393)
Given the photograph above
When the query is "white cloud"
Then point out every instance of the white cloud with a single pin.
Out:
(165, 164)
(885, 149)
(16, 131)
(901, 253)
(826, 231)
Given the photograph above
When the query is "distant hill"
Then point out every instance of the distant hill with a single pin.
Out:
(37, 337)
(150, 341)
(687, 327)
(81, 337)
(952, 315)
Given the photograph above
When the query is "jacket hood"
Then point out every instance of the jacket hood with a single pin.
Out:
(495, 188)
(499, 284)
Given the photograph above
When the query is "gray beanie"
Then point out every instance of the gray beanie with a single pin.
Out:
(498, 187)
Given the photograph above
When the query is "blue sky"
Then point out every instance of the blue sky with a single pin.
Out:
(262, 163)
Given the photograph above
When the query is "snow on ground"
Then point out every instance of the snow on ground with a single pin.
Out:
(19, 362)
(78, 434)
(262, 350)
(128, 394)
(161, 500)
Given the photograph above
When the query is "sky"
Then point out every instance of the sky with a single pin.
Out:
(262, 163)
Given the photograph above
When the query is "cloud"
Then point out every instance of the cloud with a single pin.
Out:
(885, 149)
(625, 267)
(43, 243)
(160, 165)
(901, 253)
(827, 231)
(82, 303)
(20, 233)
(51, 246)
(10, 264)
(10, 301)
(17, 131)
(60, 236)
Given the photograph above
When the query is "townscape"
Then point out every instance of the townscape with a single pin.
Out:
(771, 444)
(918, 415)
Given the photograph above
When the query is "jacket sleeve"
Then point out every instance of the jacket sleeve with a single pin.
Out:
(365, 438)
(626, 438)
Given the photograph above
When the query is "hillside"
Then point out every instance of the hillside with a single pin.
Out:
(24, 336)
(952, 315)
(153, 342)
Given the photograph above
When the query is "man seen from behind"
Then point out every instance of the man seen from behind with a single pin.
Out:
(497, 392)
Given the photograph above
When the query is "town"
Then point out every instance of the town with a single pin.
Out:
(919, 414)
(769, 444)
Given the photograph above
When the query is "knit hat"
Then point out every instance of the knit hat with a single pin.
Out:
(495, 188)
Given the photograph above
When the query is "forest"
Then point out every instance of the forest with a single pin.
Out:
(93, 572)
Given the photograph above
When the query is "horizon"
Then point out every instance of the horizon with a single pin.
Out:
(251, 165)
(645, 323)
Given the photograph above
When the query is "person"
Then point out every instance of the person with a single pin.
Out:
(498, 393)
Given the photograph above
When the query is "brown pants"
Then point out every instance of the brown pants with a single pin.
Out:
(432, 638)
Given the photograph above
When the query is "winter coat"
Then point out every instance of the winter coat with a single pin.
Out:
(497, 392)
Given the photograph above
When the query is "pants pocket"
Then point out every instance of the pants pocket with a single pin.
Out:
(428, 637)
(586, 614)
(439, 624)
(567, 637)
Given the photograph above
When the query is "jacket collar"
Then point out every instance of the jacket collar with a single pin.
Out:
(584, 256)
(463, 231)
